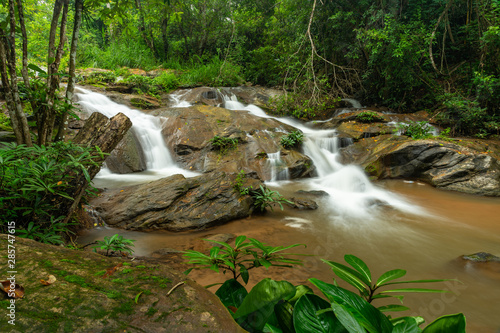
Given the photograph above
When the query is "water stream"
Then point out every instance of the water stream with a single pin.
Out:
(389, 224)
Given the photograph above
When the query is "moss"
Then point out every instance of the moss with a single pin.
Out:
(151, 311)
(76, 279)
(68, 260)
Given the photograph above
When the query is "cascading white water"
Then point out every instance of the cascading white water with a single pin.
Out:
(279, 170)
(351, 192)
(178, 102)
(147, 129)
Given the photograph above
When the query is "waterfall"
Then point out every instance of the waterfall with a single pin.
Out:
(279, 170)
(351, 192)
(147, 129)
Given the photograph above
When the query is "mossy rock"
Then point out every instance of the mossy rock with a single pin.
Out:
(94, 293)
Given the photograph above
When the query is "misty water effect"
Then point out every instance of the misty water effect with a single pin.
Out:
(147, 129)
(351, 194)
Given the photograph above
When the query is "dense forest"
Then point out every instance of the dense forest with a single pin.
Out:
(442, 56)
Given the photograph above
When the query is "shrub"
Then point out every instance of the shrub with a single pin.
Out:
(35, 186)
(223, 144)
(214, 72)
(167, 81)
(264, 197)
(115, 243)
(292, 140)
(100, 77)
(416, 130)
(369, 117)
(296, 106)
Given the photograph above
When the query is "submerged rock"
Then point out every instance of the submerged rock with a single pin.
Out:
(177, 203)
(302, 204)
(481, 257)
(93, 293)
(440, 163)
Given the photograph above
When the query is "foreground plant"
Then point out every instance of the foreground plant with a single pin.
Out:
(292, 139)
(278, 306)
(246, 254)
(265, 197)
(115, 243)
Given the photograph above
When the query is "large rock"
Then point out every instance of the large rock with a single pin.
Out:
(93, 293)
(440, 163)
(188, 132)
(177, 203)
(128, 156)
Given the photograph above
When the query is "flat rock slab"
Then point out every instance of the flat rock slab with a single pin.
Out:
(93, 293)
(177, 203)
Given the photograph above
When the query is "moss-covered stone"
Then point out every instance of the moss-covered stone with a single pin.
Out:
(130, 296)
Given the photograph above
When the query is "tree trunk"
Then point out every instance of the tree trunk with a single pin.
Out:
(104, 133)
(63, 125)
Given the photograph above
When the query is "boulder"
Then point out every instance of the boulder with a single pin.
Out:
(188, 132)
(93, 293)
(128, 156)
(314, 193)
(481, 263)
(302, 204)
(481, 257)
(177, 203)
(440, 163)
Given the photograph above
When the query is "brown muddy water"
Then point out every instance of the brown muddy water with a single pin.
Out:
(426, 245)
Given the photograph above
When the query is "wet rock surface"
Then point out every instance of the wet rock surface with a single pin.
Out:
(188, 132)
(128, 156)
(177, 203)
(93, 293)
(440, 163)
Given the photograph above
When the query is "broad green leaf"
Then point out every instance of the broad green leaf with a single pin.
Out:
(36, 68)
(347, 319)
(450, 323)
(239, 240)
(407, 325)
(393, 308)
(231, 293)
(306, 318)
(360, 266)
(269, 328)
(347, 274)
(421, 281)
(299, 291)
(258, 306)
(372, 319)
(244, 273)
(284, 316)
(389, 276)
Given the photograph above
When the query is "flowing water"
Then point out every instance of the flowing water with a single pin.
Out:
(390, 224)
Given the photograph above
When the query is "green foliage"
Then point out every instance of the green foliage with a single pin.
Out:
(292, 140)
(167, 81)
(246, 254)
(5, 124)
(369, 117)
(115, 243)
(264, 197)
(223, 144)
(297, 106)
(35, 183)
(416, 130)
(238, 184)
(213, 72)
(100, 77)
(278, 306)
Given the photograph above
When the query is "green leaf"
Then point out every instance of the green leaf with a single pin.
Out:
(36, 68)
(421, 281)
(393, 308)
(360, 266)
(450, 323)
(231, 293)
(347, 274)
(284, 316)
(407, 325)
(389, 276)
(258, 306)
(414, 290)
(244, 273)
(239, 240)
(299, 291)
(347, 319)
(269, 328)
(371, 318)
(306, 318)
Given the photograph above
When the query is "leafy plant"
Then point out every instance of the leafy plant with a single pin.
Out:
(264, 197)
(369, 117)
(223, 144)
(115, 243)
(247, 254)
(278, 306)
(292, 139)
(416, 130)
(35, 186)
(238, 184)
